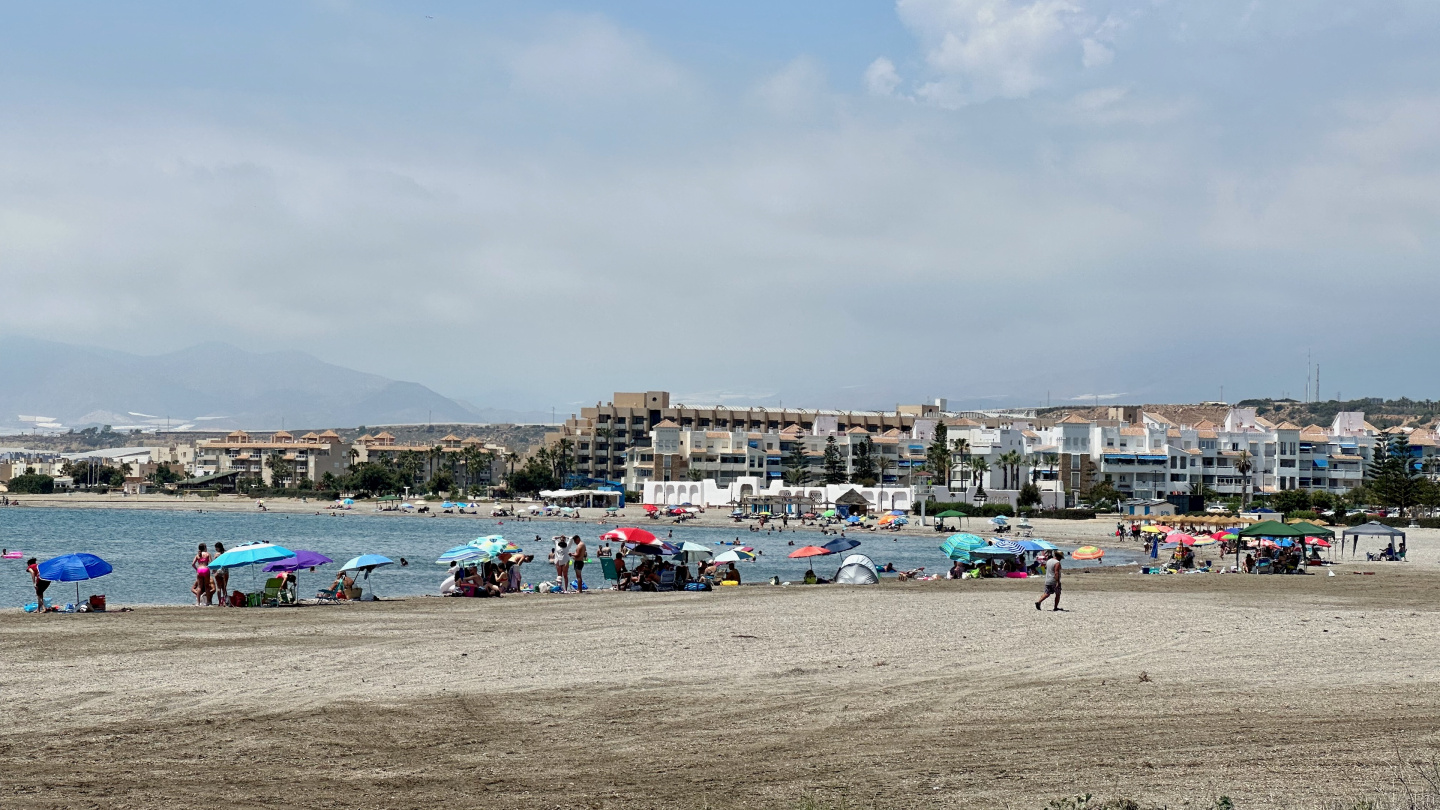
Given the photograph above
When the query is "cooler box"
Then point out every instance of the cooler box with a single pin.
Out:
(97, 601)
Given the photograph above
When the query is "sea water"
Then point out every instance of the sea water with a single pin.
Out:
(151, 549)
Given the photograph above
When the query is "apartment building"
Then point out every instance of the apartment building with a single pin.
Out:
(602, 437)
(677, 454)
(310, 456)
(450, 453)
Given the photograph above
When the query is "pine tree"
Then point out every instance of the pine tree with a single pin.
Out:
(863, 464)
(834, 465)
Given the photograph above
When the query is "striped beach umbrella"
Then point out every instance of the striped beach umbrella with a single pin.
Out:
(1088, 553)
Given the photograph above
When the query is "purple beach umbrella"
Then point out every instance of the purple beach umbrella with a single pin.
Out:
(302, 559)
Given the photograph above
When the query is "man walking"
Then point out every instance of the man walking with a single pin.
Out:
(1052, 579)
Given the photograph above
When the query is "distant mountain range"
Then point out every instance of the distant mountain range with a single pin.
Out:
(51, 386)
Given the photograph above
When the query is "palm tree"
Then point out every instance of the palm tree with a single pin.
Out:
(1244, 465)
(512, 458)
(962, 446)
(1008, 460)
(979, 466)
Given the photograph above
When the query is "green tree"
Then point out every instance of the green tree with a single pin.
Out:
(1392, 476)
(979, 466)
(32, 483)
(797, 473)
(1101, 492)
(1029, 495)
(863, 464)
(165, 475)
(937, 455)
(834, 464)
(441, 482)
(1243, 465)
(1291, 500)
(281, 468)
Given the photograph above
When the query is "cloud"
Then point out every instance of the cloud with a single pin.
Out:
(577, 57)
(1095, 54)
(983, 49)
(881, 78)
(797, 89)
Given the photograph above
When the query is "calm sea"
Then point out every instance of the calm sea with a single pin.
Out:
(151, 549)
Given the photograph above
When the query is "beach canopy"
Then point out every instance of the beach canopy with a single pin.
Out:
(1373, 528)
(809, 551)
(366, 563)
(1271, 528)
(1088, 553)
(251, 554)
(857, 569)
(949, 513)
(74, 568)
(629, 535)
(302, 559)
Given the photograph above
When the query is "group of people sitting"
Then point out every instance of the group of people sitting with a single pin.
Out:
(654, 575)
(494, 578)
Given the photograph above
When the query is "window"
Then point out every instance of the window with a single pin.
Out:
(1074, 462)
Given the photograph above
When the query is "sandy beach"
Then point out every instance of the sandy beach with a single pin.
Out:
(1275, 691)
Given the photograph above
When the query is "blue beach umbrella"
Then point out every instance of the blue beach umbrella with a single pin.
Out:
(460, 554)
(251, 554)
(1036, 544)
(367, 563)
(840, 545)
(74, 568)
(1009, 547)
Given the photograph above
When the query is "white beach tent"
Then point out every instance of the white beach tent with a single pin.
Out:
(857, 570)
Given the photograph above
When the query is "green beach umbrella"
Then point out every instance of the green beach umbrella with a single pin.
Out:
(959, 546)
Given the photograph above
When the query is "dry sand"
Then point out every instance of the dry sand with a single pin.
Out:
(1276, 691)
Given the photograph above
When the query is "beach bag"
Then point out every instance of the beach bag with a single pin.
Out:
(237, 599)
(697, 586)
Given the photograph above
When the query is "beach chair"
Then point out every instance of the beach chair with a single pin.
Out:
(271, 596)
(608, 571)
(667, 580)
(331, 594)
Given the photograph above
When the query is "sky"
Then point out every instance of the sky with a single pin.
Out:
(826, 204)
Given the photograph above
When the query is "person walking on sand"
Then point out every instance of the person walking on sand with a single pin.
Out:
(562, 563)
(1052, 580)
(578, 553)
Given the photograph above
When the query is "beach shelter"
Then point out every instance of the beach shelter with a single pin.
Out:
(949, 513)
(1273, 529)
(74, 568)
(857, 569)
(1372, 529)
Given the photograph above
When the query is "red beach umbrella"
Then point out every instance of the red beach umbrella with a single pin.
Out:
(809, 551)
(629, 535)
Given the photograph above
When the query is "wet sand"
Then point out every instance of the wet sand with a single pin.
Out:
(1276, 691)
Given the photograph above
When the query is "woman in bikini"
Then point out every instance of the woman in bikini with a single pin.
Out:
(203, 586)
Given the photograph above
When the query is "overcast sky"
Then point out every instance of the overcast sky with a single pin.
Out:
(827, 202)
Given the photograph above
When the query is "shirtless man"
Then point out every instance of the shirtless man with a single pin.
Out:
(578, 553)
(1052, 579)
